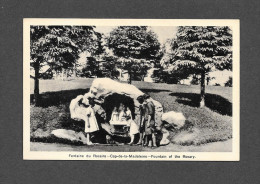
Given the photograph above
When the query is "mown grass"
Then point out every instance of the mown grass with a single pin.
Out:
(209, 124)
(206, 125)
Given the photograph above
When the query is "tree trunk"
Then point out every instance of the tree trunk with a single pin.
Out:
(202, 88)
(142, 77)
(36, 83)
(130, 77)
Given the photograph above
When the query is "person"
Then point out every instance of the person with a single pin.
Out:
(122, 112)
(150, 121)
(140, 99)
(114, 115)
(91, 124)
(131, 125)
(121, 108)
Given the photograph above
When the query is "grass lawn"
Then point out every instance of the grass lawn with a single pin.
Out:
(210, 124)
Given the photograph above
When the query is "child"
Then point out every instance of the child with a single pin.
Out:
(140, 99)
(133, 127)
(150, 120)
(133, 130)
(146, 121)
(90, 122)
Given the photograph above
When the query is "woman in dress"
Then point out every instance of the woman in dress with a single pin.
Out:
(91, 124)
(131, 125)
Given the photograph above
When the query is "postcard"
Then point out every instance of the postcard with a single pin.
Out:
(131, 89)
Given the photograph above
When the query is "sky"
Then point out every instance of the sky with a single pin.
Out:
(163, 32)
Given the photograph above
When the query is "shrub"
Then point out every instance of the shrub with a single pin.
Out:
(229, 82)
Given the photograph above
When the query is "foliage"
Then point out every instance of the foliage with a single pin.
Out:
(195, 80)
(166, 71)
(208, 79)
(45, 118)
(58, 47)
(200, 49)
(91, 68)
(137, 47)
(105, 67)
(109, 67)
(169, 76)
(203, 48)
(134, 42)
(136, 68)
(55, 48)
(229, 82)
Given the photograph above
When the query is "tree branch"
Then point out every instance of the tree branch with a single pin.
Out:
(32, 77)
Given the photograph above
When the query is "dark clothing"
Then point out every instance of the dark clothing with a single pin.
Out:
(151, 109)
(151, 112)
(142, 115)
(147, 110)
(148, 128)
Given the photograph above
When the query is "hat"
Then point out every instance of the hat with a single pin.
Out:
(146, 96)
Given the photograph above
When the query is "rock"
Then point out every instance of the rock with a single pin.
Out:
(165, 139)
(176, 119)
(104, 87)
(77, 112)
(69, 135)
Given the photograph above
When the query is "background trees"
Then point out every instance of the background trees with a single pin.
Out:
(198, 50)
(229, 82)
(136, 47)
(54, 48)
(195, 51)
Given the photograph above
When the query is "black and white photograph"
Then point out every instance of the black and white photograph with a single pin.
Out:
(131, 89)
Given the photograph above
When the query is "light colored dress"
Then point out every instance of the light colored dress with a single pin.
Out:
(92, 121)
(134, 128)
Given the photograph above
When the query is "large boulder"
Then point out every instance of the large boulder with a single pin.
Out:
(70, 135)
(101, 89)
(165, 136)
(176, 119)
(104, 87)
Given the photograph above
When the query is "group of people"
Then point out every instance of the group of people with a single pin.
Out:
(145, 127)
(148, 127)
(123, 116)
